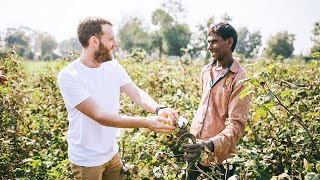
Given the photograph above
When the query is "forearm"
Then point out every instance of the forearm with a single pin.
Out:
(120, 121)
(155, 123)
(140, 97)
(228, 137)
(145, 101)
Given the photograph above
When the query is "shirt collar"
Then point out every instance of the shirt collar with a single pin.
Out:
(235, 66)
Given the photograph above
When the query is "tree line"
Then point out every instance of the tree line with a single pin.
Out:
(169, 37)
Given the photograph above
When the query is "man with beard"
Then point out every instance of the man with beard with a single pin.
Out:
(91, 87)
(221, 117)
(2, 77)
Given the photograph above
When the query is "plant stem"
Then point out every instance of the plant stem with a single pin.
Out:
(201, 171)
(273, 115)
(296, 117)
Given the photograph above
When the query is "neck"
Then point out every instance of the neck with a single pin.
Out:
(225, 62)
(88, 60)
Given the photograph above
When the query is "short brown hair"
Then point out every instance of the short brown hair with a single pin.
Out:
(90, 26)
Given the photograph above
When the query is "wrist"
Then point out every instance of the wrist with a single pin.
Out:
(210, 146)
(146, 122)
(160, 106)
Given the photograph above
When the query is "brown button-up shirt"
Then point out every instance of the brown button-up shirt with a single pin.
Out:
(226, 116)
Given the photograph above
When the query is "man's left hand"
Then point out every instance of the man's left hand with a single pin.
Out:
(168, 113)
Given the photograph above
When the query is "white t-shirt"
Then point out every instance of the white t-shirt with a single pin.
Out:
(89, 143)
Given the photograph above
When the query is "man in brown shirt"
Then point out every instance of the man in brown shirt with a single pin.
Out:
(221, 116)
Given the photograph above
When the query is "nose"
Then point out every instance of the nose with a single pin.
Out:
(115, 43)
(209, 46)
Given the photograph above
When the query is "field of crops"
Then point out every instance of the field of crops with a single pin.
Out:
(281, 140)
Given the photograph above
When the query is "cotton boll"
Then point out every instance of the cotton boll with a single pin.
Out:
(182, 122)
(127, 167)
(157, 172)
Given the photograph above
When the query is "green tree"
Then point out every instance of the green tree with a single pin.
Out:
(316, 38)
(177, 37)
(46, 44)
(280, 45)
(157, 42)
(16, 37)
(175, 9)
(248, 43)
(133, 35)
(161, 18)
(315, 48)
(198, 42)
(19, 41)
(172, 36)
(68, 46)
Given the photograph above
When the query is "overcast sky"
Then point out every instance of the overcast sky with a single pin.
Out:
(60, 17)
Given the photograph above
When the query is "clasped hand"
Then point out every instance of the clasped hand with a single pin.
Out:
(164, 122)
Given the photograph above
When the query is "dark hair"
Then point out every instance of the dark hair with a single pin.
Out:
(225, 31)
(88, 27)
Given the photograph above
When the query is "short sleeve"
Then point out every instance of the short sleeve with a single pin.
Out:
(124, 77)
(72, 90)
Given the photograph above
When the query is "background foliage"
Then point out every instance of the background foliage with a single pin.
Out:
(276, 145)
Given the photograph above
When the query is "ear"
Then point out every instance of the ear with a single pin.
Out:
(94, 41)
(229, 42)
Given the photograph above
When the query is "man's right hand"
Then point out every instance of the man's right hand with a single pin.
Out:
(159, 124)
(193, 151)
(2, 77)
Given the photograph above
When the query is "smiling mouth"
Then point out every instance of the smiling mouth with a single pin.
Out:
(213, 53)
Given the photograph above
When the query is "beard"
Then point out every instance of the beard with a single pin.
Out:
(103, 54)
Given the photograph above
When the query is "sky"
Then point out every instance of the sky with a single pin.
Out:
(61, 17)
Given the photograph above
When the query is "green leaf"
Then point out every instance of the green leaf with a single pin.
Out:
(254, 81)
(244, 92)
(260, 111)
(303, 108)
(285, 93)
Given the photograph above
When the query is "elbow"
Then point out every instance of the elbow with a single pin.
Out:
(98, 117)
